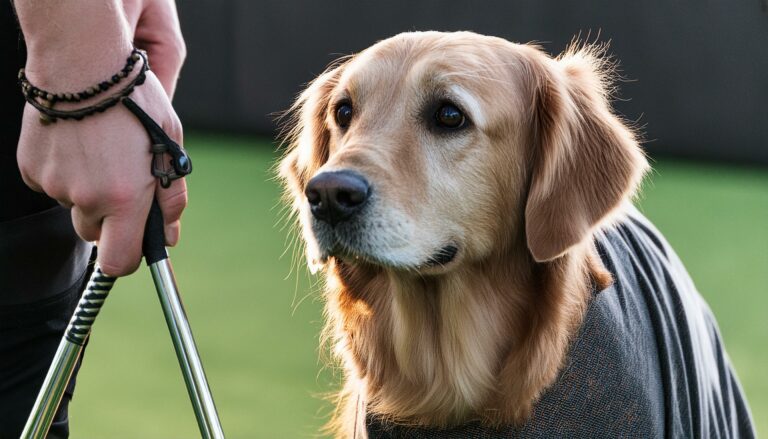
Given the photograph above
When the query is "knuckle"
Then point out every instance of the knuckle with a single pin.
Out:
(25, 170)
(29, 181)
(53, 186)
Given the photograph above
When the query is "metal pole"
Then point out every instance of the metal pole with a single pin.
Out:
(186, 351)
(99, 285)
(66, 356)
(153, 248)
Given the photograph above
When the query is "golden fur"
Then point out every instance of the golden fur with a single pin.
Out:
(542, 163)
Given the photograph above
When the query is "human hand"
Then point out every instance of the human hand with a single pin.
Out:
(100, 166)
(155, 27)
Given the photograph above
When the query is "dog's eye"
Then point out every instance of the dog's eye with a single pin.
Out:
(448, 116)
(343, 114)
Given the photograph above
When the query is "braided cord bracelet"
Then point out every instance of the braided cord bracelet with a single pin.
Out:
(44, 100)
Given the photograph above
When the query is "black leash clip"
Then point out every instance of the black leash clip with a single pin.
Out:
(181, 163)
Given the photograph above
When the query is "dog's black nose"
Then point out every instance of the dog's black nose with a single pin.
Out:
(336, 196)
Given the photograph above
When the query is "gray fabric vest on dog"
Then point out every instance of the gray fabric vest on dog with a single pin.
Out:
(648, 361)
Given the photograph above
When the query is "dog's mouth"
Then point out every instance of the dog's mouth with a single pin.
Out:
(357, 242)
(439, 259)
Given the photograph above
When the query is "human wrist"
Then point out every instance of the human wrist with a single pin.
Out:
(62, 72)
(45, 100)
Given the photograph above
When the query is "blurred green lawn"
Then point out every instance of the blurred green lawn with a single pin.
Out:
(256, 320)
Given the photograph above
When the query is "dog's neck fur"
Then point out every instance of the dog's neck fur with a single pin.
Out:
(397, 334)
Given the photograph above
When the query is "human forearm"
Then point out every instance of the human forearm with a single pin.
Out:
(73, 44)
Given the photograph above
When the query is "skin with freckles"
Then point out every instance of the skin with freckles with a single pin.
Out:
(99, 167)
(504, 196)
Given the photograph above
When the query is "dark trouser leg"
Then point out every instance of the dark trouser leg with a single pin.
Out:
(43, 269)
(29, 336)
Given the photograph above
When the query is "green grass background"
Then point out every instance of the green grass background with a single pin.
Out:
(256, 320)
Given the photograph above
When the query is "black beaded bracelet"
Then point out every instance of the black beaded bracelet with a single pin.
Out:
(44, 101)
(89, 92)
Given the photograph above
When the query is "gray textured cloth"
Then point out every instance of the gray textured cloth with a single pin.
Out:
(648, 362)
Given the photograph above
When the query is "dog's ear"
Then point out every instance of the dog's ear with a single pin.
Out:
(586, 162)
(306, 132)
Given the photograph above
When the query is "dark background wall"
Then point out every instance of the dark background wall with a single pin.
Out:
(696, 70)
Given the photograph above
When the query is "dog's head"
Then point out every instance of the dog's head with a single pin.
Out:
(429, 150)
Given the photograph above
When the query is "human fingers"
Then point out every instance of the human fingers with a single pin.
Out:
(159, 33)
(86, 224)
(173, 199)
(30, 182)
(172, 202)
(120, 241)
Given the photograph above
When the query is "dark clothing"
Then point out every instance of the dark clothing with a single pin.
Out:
(43, 264)
(648, 361)
(40, 256)
(16, 199)
(29, 336)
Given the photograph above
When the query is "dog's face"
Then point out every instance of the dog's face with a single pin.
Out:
(420, 123)
(431, 150)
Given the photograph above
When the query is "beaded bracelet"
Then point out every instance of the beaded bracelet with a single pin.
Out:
(44, 100)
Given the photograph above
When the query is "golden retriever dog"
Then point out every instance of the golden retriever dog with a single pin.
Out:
(450, 187)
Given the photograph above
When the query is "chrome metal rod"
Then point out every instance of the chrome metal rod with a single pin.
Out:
(186, 351)
(48, 399)
(65, 359)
